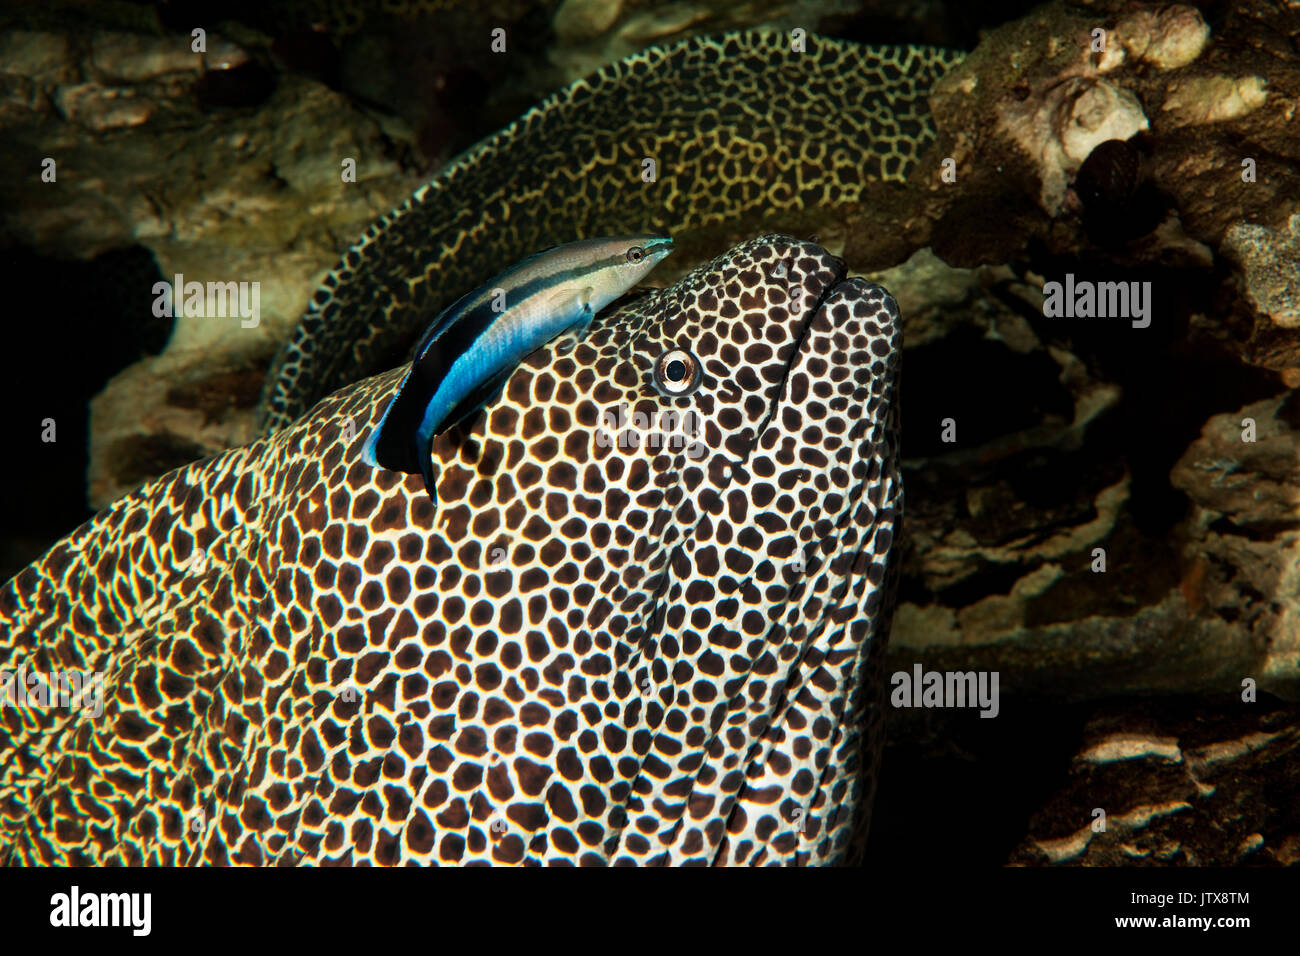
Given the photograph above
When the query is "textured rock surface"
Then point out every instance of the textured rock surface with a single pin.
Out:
(1074, 436)
(1047, 468)
(1201, 112)
(1178, 785)
(1166, 37)
(247, 196)
(1068, 431)
(1270, 268)
(1242, 549)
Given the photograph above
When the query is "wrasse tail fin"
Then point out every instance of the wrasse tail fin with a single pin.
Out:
(390, 445)
(422, 445)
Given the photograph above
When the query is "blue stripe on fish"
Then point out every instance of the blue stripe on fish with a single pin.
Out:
(470, 349)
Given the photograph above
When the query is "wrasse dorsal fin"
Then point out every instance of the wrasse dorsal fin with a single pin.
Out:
(449, 316)
(442, 322)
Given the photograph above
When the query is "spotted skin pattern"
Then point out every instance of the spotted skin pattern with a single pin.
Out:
(738, 125)
(594, 651)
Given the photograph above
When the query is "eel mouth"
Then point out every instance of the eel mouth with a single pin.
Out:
(800, 340)
(815, 300)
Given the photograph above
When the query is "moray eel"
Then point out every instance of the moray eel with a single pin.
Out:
(740, 128)
(601, 648)
(472, 347)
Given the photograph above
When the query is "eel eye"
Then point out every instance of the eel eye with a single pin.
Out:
(677, 372)
(635, 254)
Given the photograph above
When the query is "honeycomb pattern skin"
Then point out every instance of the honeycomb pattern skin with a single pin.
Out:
(595, 650)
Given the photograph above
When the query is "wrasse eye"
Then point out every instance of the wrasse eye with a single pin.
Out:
(635, 254)
(677, 372)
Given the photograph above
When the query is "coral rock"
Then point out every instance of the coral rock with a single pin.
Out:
(1168, 38)
(1270, 263)
(1213, 99)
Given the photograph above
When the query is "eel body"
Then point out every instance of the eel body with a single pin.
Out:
(739, 127)
(605, 645)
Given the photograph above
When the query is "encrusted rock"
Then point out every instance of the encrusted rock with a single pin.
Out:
(132, 58)
(98, 109)
(1243, 477)
(1057, 100)
(252, 196)
(1176, 783)
(1213, 99)
(1167, 38)
(1270, 263)
(34, 54)
(1246, 466)
(584, 19)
